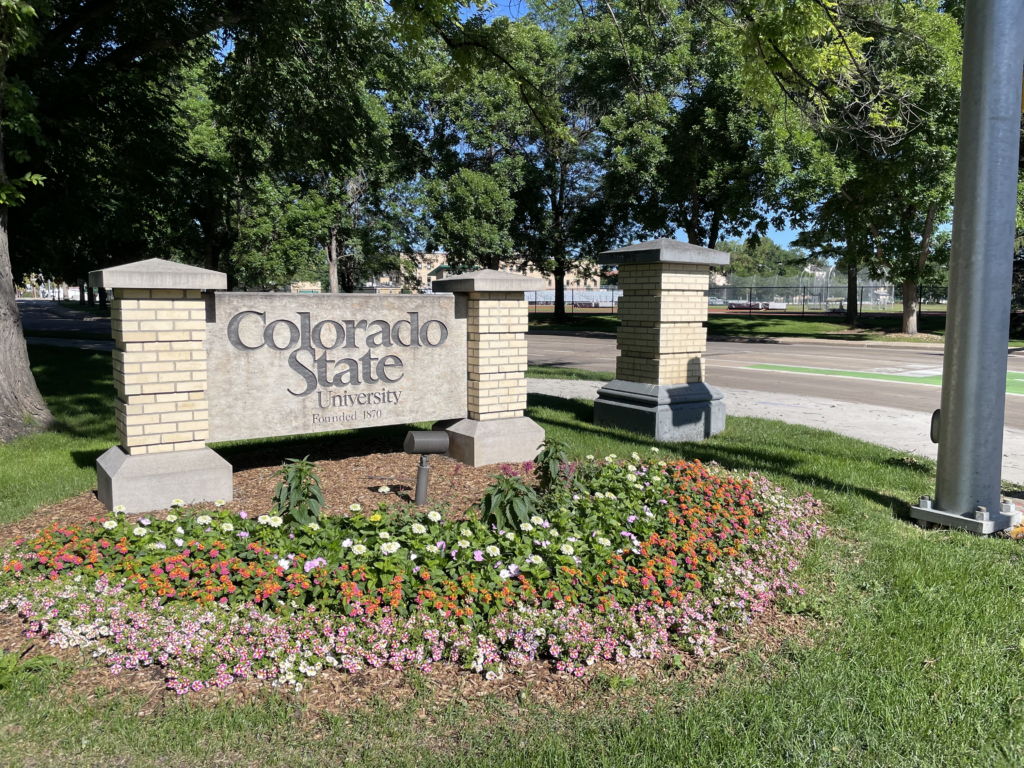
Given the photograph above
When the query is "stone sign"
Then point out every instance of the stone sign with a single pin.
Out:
(194, 364)
(283, 364)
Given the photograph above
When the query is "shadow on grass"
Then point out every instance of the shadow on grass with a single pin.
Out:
(746, 446)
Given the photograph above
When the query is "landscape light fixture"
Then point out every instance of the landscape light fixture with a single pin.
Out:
(422, 444)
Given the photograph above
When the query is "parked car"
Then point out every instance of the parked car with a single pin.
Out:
(715, 301)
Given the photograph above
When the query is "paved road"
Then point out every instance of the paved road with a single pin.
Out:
(729, 365)
(43, 315)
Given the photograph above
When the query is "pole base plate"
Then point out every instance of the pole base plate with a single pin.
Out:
(996, 522)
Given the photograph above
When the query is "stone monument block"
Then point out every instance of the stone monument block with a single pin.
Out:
(659, 387)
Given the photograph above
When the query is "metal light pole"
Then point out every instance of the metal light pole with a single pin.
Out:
(970, 425)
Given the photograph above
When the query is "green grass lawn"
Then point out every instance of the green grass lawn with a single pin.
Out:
(816, 326)
(577, 374)
(914, 657)
(49, 467)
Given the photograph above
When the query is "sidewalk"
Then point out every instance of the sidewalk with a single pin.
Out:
(894, 428)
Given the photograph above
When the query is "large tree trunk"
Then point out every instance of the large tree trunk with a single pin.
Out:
(332, 260)
(559, 293)
(910, 307)
(22, 408)
(851, 295)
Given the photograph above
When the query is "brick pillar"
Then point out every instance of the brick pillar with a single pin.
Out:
(160, 370)
(159, 327)
(496, 327)
(659, 388)
(662, 313)
(496, 321)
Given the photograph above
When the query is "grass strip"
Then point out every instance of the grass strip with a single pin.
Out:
(574, 374)
(1014, 381)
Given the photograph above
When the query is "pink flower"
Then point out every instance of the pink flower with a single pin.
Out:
(478, 555)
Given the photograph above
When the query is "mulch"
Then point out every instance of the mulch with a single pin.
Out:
(352, 479)
(453, 486)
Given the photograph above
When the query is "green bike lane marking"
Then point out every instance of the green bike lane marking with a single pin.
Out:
(1014, 381)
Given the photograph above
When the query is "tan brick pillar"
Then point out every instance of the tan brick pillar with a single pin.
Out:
(160, 370)
(158, 320)
(496, 313)
(659, 387)
(496, 352)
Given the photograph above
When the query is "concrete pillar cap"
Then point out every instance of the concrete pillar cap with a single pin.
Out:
(663, 250)
(488, 281)
(159, 274)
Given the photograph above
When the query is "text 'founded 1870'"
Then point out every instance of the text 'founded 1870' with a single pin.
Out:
(289, 364)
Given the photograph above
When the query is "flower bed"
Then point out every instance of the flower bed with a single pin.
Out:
(610, 561)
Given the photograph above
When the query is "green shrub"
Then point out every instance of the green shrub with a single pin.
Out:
(298, 497)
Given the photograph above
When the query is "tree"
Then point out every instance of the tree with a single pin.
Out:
(21, 406)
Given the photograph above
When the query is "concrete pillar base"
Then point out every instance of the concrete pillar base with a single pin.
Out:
(668, 413)
(494, 442)
(151, 482)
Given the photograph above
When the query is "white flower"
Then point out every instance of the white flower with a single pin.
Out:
(139, 530)
(110, 524)
(204, 519)
(119, 509)
(655, 450)
(612, 456)
(219, 503)
(492, 550)
(390, 547)
(535, 559)
(630, 468)
(662, 464)
(346, 543)
(610, 495)
(172, 518)
(179, 530)
(526, 527)
(598, 495)
(510, 536)
(537, 520)
(355, 507)
(590, 457)
(603, 541)
(631, 477)
(413, 555)
(566, 549)
(609, 457)
(383, 489)
(462, 544)
(313, 527)
(384, 535)
(177, 503)
(553, 533)
(263, 519)
(466, 532)
(227, 527)
(418, 529)
(435, 516)
(432, 549)
(275, 521)
(179, 542)
(358, 549)
(285, 563)
(504, 573)
(636, 456)
(157, 545)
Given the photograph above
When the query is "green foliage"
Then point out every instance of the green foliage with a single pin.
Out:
(14, 668)
(508, 502)
(551, 462)
(298, 496)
